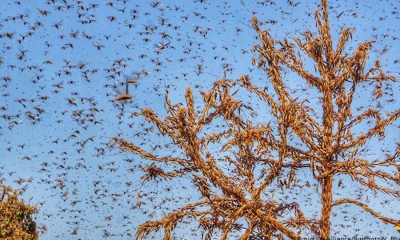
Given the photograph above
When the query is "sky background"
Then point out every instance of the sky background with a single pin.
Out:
(63, 63)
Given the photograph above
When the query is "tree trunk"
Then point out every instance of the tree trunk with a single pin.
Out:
(326, 207)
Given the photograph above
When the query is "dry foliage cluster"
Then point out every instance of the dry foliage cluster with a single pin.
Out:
(15, 216)
(237, 182)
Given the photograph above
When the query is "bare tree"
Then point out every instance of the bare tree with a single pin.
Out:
(15, 216)
(238, 164)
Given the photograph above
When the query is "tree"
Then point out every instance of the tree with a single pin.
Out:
(15, 216)
(247, 172)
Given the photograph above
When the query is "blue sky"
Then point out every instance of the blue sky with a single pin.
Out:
(64, 61)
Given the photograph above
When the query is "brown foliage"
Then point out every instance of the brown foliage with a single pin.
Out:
(15, 216)
(237, 182)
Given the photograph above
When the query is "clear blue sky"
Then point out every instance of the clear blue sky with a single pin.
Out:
(64, 61)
